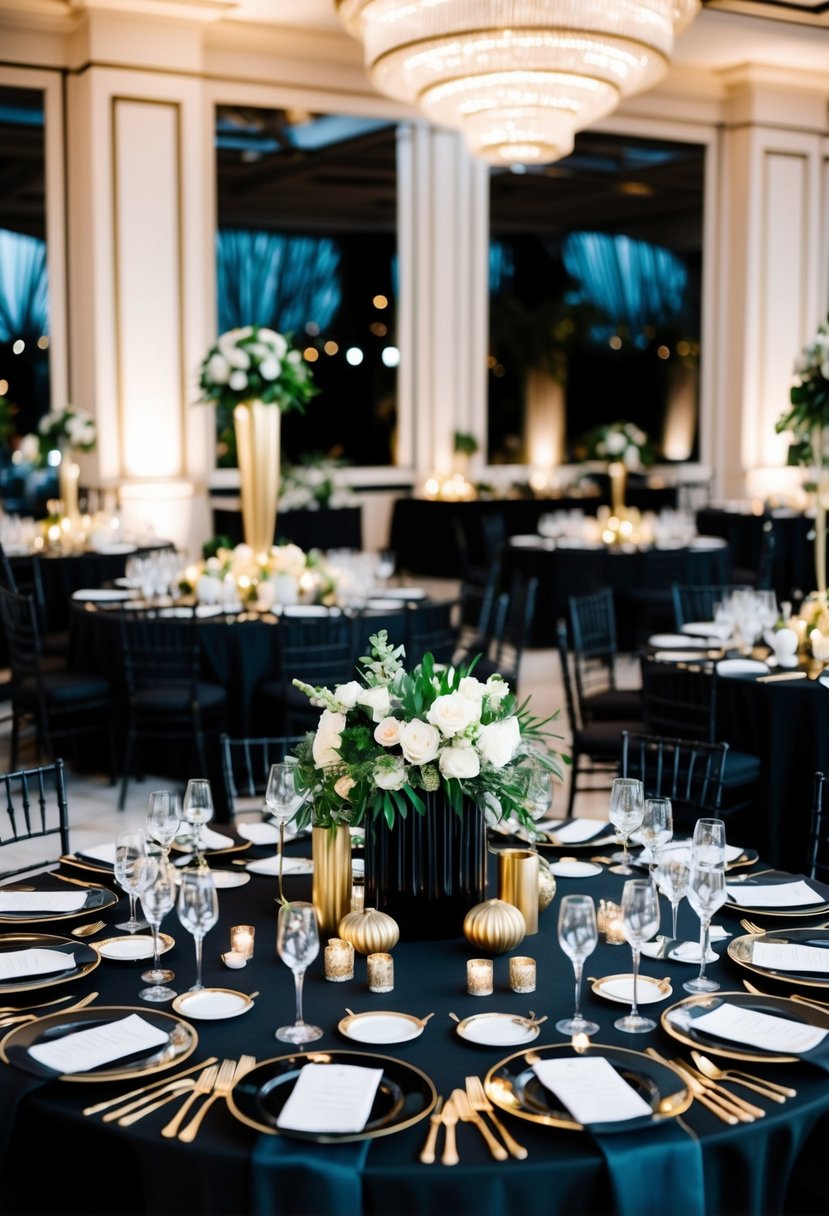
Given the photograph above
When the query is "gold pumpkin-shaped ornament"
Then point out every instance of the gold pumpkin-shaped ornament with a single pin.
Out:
(546, 884)
(370, 931)
(494, 926)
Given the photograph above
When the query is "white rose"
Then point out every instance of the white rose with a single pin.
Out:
(269, 369)
(472, 688)
(218, 369)
(328, 738)
(499, 741)
(378, 701)
(344, 786)
(420, 742)
(615, 443)
(30, 448)
(452, 713)
(631, 458)
(238, 380)
(460, 762)
(387, 732)
(391, 774)
(275, 341)
(288, 559)
(497, 688)
(347, 694)
(294, 356)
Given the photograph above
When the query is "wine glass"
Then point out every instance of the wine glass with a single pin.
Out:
(157, 884)
(130, 847)
(163, 818)
(657, 828)
(198, 911)
(197, 808)
(709, 841)
(706, 893)
(297, 944)
(282, 801)
(578, 936)
(386, 565)
(627, 808)
(640, 920)
(673, 867)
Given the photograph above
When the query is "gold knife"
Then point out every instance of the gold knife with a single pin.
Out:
(468, 1115)
(756, 1112)
(427, 1155)
(699, 1093)
(145, 1089)
(449, 1120)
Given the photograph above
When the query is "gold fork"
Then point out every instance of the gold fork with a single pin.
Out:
(222, 1087)
(478, 1100)
(750, 927)
(204, 1083)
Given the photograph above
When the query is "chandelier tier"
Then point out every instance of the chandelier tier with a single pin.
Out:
(518, 78)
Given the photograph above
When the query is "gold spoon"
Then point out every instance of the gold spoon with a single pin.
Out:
(88, 930)
(769, 1089)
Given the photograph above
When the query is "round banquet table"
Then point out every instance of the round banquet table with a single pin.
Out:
(793, 559)
(57, 1160)
(639, 578)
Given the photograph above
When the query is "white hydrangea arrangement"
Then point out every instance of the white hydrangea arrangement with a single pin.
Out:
(253, 363)
(70, 429)
(287, 575)
(622, 441)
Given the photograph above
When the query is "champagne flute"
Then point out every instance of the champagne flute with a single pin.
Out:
(163, 818)
(627, 808)
(673, 868)
(197, 808)
(157, 881)
(578, 936)
(198, 911)
(297, 943)
(640, 920)
(706, 893)
(657, 828)
(130, 847)
(282, 801)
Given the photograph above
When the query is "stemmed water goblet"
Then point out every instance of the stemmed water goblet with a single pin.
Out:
(130, 847)
(657, 828)
(578, 936)
(673, 868)
(163, 818)
(197, 808)
(282, 801)
(706, 890)
(640, 920)
(627, 809)
(297, 944)
(157, 884)
(198, 911)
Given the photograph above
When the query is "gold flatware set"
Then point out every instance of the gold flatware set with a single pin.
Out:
(704, 1078)
(16, 1020)
(468, 1105)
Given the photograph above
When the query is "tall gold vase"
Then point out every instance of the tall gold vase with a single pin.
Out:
(69, 476)
(258, 428)
(331, 887)
(617, 471)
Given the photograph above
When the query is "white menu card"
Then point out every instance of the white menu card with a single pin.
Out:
(100, 1045)
(591, 1089)
(774, 895)
(42, 901)
(33, 962)
(330, 1098)
(763, 1030)
(790, 957)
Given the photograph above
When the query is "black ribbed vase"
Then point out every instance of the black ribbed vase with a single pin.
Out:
(428, 870)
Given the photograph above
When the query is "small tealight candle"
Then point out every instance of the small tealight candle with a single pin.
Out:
(338, 957)
(380, 972)
(479, 977)
(522, 974)
(241, 940)
(609, 920)
(232, 958)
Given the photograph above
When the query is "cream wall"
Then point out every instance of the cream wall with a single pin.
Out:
(133, 286)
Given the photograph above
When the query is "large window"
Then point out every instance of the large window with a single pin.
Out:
(307, 244)
(595, 268)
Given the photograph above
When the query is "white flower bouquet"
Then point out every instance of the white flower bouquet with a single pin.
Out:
(388, 737)
(808, 417)
(286, 575)
(69, 429)
(253, 363)
(622, 441)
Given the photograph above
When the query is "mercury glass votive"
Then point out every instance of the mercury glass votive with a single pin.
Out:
(338, 958)
(380, 972)
(522, 973)
(479, 977)
(241, 940)
(609, 922)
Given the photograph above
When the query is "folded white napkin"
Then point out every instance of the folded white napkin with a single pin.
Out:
(334, 1098)
(209, 839)
(90, 1048)
(33, 962)
(689, 952)
(258, 833)
(42, 901)
(99, 852)
(578, 830)
(291, 865)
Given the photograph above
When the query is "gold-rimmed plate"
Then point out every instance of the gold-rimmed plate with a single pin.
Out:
(741, 950)
(91, 865)
(213, 1004)
(381, 1026)
(778, 878)
(80, 960)
(498, 1029)
(97, 899)
(514, 1086)
(746, 857)
(604, 834)
(183, 846)
(128, 947)
(404, 1096)
(181, 1042)
(619, 988)
(678, 1022)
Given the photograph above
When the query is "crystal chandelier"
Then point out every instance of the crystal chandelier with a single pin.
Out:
(517, 77)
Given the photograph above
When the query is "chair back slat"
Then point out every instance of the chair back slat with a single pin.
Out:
(246, 765)
(688, 771)
(34, 809)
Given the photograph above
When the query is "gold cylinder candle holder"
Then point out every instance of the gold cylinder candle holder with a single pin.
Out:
(522, 973)
(518, 883)
(331, 883)
(380, 972)
(241, 940)
(338, 958)
(479, 977)
(609, 922)
(358, 895)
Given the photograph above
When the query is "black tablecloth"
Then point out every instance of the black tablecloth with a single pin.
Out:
(326, 528)
(793, 559)
(59, 1161)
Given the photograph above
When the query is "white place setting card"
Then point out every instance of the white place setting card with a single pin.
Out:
(774, 895)
(34, 962)
(577, 830)
(290, 865)
(334, 1098)
(42, 901)
(591, 1089)
(763, 1030)
(790, 957)
(100, 1045)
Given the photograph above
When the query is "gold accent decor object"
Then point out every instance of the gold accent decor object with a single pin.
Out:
(370, 931)
(546, 884)
(331, 883)
(495, 926)
(257, 427)
(380, 972)
(479, 977)
(518, 884)
(522, 973)
(339, 960)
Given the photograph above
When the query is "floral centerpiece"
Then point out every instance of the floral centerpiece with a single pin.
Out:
(808, 421)
(257, 374)
(67, 431)
(421, 758)
(626, 447)
(286, 574)
(313, 484)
